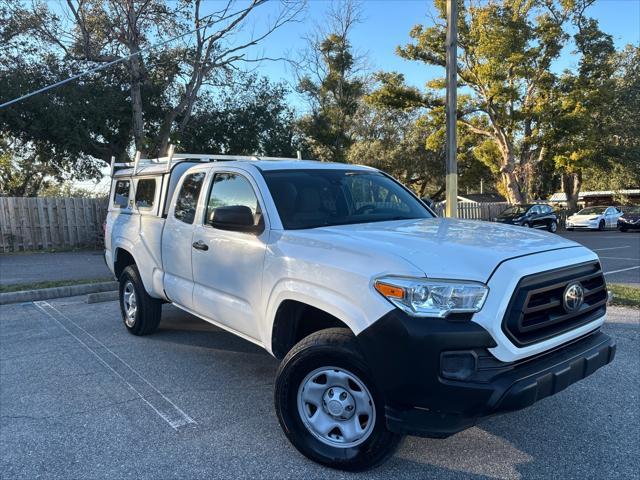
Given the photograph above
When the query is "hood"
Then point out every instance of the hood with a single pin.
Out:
(448, 248)
(631, 216)
(583, 217)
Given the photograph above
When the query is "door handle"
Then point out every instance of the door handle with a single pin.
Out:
(200, 245)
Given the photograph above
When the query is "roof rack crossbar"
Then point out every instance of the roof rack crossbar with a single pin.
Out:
(172, 158)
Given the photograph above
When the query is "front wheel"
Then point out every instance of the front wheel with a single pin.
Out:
(328, 405)
(553, 226)
(140, 312)
(526, 225)
(623, 229)
(601, 226)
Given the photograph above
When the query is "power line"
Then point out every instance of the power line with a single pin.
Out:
(104, 66)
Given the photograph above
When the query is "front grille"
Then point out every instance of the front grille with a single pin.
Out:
(536, 311)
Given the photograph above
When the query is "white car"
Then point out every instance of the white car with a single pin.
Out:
(594, 218)
(388, 320)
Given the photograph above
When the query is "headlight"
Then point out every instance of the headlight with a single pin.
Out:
(593, 219)
(432, 298)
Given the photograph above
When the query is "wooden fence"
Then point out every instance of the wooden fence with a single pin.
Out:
(42, 223)
(475, 211)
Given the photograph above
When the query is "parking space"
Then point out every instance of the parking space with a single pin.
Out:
(81, 398)
(619, 253)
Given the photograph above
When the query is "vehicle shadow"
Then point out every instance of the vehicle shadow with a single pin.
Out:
(574, 434)
(180, 327)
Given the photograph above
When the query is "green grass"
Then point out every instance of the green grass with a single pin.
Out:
(625, 295)
(16, 287)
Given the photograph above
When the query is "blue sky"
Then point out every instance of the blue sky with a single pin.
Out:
(387, 24)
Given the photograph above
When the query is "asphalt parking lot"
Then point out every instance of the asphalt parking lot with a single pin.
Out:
(619, 253)
(81, 398)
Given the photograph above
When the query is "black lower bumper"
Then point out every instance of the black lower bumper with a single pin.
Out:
(404, 354)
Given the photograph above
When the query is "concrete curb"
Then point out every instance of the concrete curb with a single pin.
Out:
(109, 296)
(56, 292)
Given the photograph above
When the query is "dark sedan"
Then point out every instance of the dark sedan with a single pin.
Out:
(533, 215)
(630, 219)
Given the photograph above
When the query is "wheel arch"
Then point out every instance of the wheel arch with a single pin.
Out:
(295, 320)
(121, 260)
(338, 309)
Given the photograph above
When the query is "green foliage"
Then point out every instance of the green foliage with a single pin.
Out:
(506, 49)
(249, 119)
(26, 169)
(334, 88)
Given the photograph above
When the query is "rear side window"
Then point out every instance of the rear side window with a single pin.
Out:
(121, 194)
(146, 193)
(187, 201)
(230, 189)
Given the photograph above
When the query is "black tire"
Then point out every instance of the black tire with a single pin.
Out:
(526, 225)
(335, 347)
(569, 229)
(553, 226)
(601, 226)
(149, 310)
(623, 229)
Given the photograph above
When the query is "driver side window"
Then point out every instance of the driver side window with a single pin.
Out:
(231, 189)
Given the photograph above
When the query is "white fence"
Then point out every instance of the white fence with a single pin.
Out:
(40, 223)
(474, 211)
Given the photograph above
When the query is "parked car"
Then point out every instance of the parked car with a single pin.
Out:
(389, 320)
(594, 218)
(630, 219)
(534, 215)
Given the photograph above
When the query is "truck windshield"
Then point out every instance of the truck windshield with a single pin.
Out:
(319, 198)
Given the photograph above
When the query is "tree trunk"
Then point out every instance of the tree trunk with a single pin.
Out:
(135, 66)
(507, 170)
(136, 102)
(571, 184)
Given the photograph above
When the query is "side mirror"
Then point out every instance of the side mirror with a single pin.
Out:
(238, 218)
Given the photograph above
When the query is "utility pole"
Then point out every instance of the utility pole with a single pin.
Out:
(451, 181)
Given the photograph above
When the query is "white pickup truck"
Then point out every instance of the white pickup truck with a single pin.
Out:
(389, 320)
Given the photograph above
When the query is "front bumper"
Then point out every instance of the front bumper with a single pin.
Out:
(404, 356)
(585, 224)
(629, 225)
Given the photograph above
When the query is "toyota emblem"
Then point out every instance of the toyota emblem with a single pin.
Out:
(573, 297)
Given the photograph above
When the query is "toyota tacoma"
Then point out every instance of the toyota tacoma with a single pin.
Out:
(389, 321)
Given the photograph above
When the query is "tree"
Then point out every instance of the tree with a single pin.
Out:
(92, 32)
(595, 122)
(25, 170)
(506, 49)
(333, 85)
(251, 119)
(410, 143)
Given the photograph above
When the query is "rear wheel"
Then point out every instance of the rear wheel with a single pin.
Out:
(553, 226)
(601, 225)
(526, 224)
(140, 312)
(328, 405)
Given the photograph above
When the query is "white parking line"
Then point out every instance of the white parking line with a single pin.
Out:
(621, 270)
(621, 258)
(153, 397)
(608, 248)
